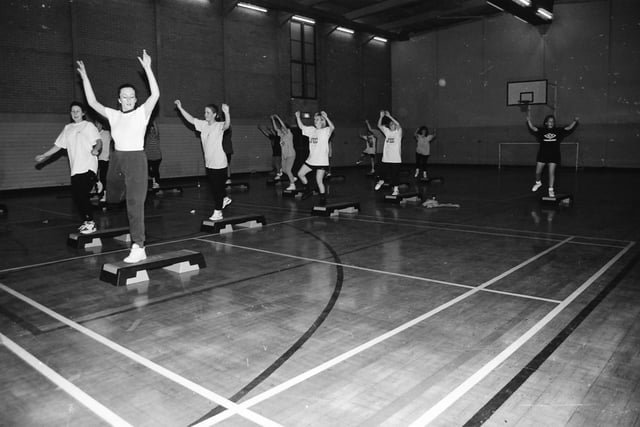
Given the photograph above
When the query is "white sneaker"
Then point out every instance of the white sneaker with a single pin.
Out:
(379, 185)
(103, 199)
(537, 185)
(415, 175)
(137, 254)
(551, 192)
(396, 191)
(217, 216)
(99, 187)
(225, 202)
(155, 185)
(291, 187)
(227, 182)
(88, 227)
(424, 176)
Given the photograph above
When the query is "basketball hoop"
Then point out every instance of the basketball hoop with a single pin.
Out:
(524, 106)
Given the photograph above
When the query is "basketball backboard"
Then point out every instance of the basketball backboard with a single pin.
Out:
(529, 92)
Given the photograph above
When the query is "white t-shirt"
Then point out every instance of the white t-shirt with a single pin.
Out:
(78, 139)
(392, 145)
(423, 144)
(211, 137)
(318, 145)
(105, 135)
(128, 128)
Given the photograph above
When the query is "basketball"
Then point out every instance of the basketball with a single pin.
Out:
(442, 82)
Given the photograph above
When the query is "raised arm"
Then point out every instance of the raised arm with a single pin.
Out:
(188, 117)
(392, 119)
(227, 116)
(88, 91)
(277, 117)
(573, 125)
(368, 126)
(530, 125)
(300, 124)
(151, 102)
(326, 117)
(382, 113)
(264, 132)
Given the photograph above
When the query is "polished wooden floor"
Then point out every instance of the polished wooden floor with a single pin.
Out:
(502, 312)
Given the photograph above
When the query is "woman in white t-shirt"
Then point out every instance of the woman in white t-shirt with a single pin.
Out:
(319, 151)
(211, 134)
(82, 141)
(391, 154)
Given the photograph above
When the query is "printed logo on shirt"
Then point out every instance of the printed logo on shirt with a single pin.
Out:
(313, 140)
(549, 137)
(390, 140)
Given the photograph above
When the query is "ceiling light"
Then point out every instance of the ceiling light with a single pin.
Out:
(252, 7)
(345, 30)
(303, 19)
(495, 5)
(523, 3)
(380, 39)
(544, 14)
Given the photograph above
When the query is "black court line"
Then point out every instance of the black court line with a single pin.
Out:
(295, 346)
(485, 413)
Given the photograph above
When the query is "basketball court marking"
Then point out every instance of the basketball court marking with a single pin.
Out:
(474, 379)
(480, 230)
(381, 272)
(115, 251)
(172, 376)
(367, 345)
(89, 402)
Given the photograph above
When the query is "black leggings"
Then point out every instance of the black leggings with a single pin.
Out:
(217, 179)
(154, 169)
(81, 186)
(421, 161)
(391, 172)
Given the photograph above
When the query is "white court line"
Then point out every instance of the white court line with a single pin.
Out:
(474, 379)
(353, 352)
(89, 402)
(196, 388)
(381, 272)
(533, 236)
(170, 242)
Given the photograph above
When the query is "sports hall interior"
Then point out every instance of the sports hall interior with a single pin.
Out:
(491, 307)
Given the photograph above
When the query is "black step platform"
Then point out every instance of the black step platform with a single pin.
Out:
(166, 190)
(226, 225)
(562, 200)
(292, 194)
(122, 273)
(79, 240)
(239, 185)
(272, 181)
(335, 178)
(402, 198)
(434, 180)
(333, 209)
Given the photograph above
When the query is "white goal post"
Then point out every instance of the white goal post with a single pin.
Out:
(501, 144)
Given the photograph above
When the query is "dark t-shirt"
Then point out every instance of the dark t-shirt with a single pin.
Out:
(550, 139)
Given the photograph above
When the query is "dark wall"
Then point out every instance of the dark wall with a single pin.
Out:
(202, 52)
(590, 55)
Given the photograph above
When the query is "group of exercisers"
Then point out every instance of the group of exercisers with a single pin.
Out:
(128, 171)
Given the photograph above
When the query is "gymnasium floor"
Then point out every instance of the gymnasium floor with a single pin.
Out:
(502, 311)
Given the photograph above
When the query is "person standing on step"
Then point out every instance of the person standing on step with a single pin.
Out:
(286, 148)
(128, 173)
(318, 160)
(103, 159)
(215, 159)
(82, 141)
(391, 154)
(549, 137)
(153, 152)
(423, 150)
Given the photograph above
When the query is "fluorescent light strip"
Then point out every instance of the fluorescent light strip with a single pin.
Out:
(380, 39)
(520, 19)
(303, 19)
(496, 6)
(252, 7)
(523, 3)
(345, 30)
(544, 14)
